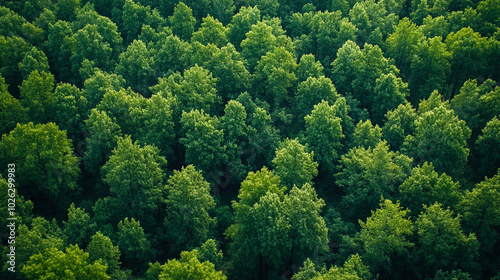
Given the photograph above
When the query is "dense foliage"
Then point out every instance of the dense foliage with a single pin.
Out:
(251, 139)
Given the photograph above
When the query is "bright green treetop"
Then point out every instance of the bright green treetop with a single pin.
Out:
(73, 264)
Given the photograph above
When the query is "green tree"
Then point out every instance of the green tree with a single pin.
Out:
(11, 110)
(308, 67)
(182, 22)
(33, 59)
(69, 110)
(401, 45)
(226, 65)
(171, 55)
(435, 27)
(468, 56)
(274, 76)
(366, 135)
(367, 174)
(67, 9)
(441, 138)
(476, 104)
(102, 139)
(119, 105)
(72, 264)
(353, 269)
(37, 96)
(135, 16)
(23, 207)
(241, 24)
(487, 155)
(101, 248)
(324, 135)
(211, 32)
(188, 201)
(480, 210)
(373, 21)
(195, 90)
(58, 50)
(98, 84)
(236, 134)
(133, 243)
(294, 164)
(389, 92)
(430, 66)
(189, 267)
(329, 31)
(400, 123)
(441, 242)
(41, 236)
(43, 157)
(155, 125)
(135, 177)
(384, 238)
(137, 66)
(425, 187)
(312, 92)
(12, 50)
(203, 141)
(454, 274)
(276, 231)
(256, 185)
(209, 251)
(259, 40)
(263, 140)
(78, 229)
(308, 230)
(88, 44)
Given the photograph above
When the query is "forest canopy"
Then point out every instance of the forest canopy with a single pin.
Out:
(250, 139)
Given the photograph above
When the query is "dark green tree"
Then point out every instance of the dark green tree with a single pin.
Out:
(441, 138)
(430, 67)
(182, 22)
(367, 174)
(324, 135)
(78, 228)
(425, 187)
(480, 209)
(102, 139)
(101, 248)
(70, 109)
(204, 141)
(400, 123)
(133, 243)
(468, 56)
(11, 110)
(137, 66)
(312, 92)
(44, 158)
(135, 177)
(241, 24)
(188, 200)
(441, 242)
(37, 96)
(401, 45)
(487, 156)
(385, 238)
